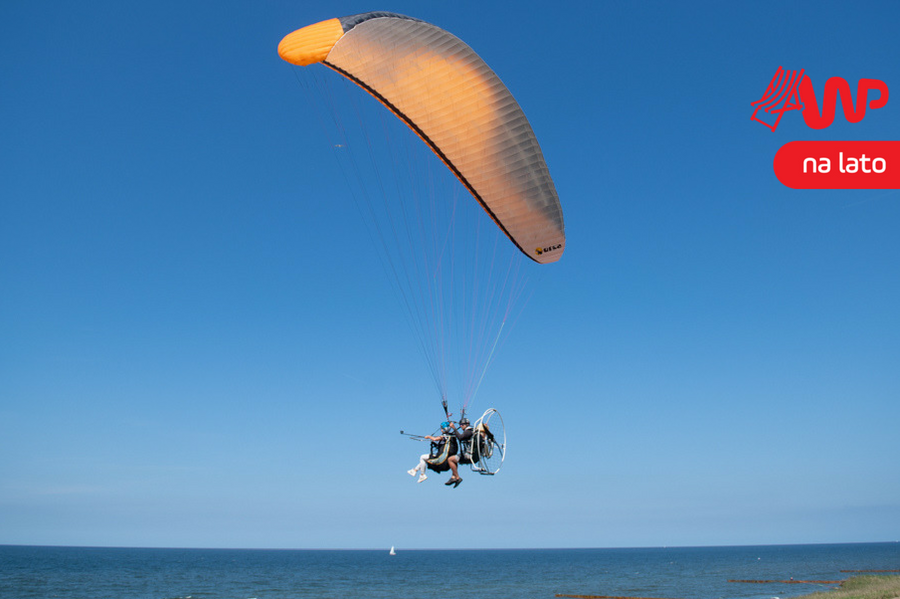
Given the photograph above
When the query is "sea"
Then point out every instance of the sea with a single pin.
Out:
(664, 572)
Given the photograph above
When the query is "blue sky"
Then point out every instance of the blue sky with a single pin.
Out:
(196, 350)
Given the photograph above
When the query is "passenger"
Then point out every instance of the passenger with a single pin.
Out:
(438, 442)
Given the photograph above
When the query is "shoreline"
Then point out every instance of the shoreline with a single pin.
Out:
(883, 586)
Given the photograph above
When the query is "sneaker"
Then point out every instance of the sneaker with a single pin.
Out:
(412, 472)
(422, 477)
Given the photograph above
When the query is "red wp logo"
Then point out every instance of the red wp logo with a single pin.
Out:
(792, 90)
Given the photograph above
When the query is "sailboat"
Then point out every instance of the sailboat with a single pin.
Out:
(392, 551)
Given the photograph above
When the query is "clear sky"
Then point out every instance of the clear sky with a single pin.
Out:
(194, 350)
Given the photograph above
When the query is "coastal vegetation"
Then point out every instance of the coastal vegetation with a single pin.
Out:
(862, 587)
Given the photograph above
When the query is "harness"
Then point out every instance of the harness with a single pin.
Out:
(440, 451)
(466, 453)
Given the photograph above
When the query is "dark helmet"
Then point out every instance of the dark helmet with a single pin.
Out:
(464, 421)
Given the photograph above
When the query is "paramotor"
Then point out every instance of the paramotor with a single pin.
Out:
(458, 294)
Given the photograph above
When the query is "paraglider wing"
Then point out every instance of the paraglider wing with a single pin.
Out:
(447, 94)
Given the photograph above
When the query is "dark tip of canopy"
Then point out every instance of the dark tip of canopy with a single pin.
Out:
(352, 21)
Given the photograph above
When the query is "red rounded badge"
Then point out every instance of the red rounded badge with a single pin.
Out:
(839, 164)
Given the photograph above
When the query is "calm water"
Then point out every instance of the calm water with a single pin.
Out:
(701, 573)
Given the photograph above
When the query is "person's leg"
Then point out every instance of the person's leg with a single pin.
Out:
(420, 467)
